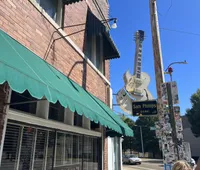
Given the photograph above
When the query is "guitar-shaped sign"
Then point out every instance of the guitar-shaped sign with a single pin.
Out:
(136, 85)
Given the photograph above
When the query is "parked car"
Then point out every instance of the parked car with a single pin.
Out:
(131, 159)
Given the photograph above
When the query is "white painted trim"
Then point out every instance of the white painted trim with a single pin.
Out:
(68, 39)
(121, 161)
(110, 153)
(111, 98)
(21, 117)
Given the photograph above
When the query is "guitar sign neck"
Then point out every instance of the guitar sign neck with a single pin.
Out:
(139, 38)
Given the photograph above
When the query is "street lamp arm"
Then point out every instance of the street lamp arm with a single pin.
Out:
(182, 62)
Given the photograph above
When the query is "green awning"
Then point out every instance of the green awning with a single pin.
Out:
(24, 70)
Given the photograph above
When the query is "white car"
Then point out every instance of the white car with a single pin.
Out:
(131, 159)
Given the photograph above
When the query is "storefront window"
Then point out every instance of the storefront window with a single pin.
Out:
(78, 120)
(86, 150)
(24, 97)
(27, 148)
(68, 148)
(91, 159)
(11, 147)
(40, 150)
(50, 150)
(95, 154)
(60, 153)
(56, 112)
(80, 153)
(75, 159)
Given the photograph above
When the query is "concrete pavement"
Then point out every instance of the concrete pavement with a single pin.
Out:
(147, 164)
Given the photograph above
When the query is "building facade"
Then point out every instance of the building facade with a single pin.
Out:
(189, 137)
(55, 93)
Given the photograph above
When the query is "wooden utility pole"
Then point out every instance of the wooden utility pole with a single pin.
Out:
(159, 71)
(158, 62)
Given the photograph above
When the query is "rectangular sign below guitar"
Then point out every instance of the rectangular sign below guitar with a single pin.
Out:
(145, 108)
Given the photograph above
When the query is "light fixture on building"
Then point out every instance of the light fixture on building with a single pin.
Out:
(114, 25)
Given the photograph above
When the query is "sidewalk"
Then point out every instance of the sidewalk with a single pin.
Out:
(148, 160)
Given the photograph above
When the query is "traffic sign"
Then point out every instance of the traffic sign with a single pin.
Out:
(152, 128)
(144, 108)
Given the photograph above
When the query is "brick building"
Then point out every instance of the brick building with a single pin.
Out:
(55, 94)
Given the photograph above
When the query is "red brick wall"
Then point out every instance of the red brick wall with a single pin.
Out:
(105, 163)
(22, 21)
(80, 9)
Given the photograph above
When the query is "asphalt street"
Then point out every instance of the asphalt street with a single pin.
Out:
(147, 164)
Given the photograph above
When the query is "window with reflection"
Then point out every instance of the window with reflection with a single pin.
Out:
(68, 148)
(78, 120)
(60, 153)
(56, 112)
(23, 97)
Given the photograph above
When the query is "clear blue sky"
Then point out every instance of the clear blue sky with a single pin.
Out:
(183, 15)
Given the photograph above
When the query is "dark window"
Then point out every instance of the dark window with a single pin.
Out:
(56, 112)
(24, 97)
(99, 54)
(54, 8)
(50, 7)
(94, 126)
(77, 120)
(94, 51)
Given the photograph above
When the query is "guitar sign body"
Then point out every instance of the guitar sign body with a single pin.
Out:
(136, 85)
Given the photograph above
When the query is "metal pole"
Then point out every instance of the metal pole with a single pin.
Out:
(142, 141)
(172, 119)
(171, 77)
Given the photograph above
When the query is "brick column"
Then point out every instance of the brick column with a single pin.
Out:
(4, 98)
(105, 149)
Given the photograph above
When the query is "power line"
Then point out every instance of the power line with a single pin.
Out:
(180, 31)
(169, 8)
